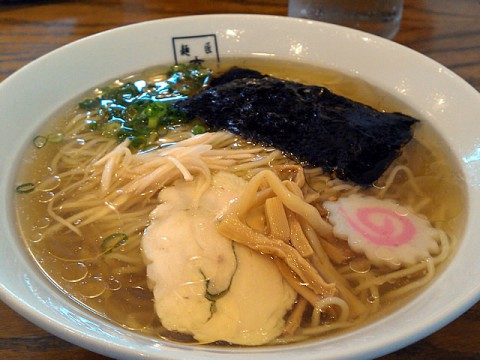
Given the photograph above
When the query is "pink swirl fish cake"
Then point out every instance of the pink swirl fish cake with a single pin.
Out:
(387, 233)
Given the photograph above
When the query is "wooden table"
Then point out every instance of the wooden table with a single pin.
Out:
(445, 30)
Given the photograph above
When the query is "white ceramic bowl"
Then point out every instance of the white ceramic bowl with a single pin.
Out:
(34, 93)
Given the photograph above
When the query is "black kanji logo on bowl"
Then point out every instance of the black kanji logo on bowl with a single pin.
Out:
(196, 48)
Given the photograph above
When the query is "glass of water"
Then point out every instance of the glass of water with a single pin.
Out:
(380, 17)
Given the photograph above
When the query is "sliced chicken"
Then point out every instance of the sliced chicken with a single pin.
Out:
(204, 284)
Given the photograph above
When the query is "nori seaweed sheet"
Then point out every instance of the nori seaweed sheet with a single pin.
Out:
(309, 123)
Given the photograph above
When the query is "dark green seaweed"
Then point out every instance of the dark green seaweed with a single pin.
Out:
(310, 123)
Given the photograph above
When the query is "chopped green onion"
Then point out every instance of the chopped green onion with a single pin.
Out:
(39, 141)
(154, 112)
(153, 123)
(163, 131)
(214, 297)
(142, 109)
(93, 125)
(89, 104)
(25, 188)
(113, 241)
(140, 128)
(55, 138)
(138, 142)
(198, 129)
(156, 109)
(111, 128)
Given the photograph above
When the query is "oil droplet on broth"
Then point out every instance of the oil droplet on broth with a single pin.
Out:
(92, 287)
(74, 272)
(384, 253)
(401, 210)
(69, 246)
(360, 265)
(50, 183)
(372, 298)
(114, 284)
(45, 196)
(36, 237)
(43, 223)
